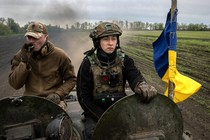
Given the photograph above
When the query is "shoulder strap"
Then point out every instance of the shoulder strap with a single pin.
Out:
(93, 59)
(121, 55)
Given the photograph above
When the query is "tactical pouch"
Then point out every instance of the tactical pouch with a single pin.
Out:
(108, 97)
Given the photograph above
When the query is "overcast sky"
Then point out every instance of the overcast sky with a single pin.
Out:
(64, 12)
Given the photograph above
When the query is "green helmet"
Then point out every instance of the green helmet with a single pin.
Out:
(105, 29)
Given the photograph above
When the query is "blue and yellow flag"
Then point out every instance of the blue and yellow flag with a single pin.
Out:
(165, 62)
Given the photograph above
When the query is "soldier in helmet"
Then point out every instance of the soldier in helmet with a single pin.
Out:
(43, 68)
(103, 74)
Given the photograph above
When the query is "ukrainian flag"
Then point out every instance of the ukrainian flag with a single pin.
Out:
(165, 62)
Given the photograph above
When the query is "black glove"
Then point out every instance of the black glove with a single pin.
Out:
(26, 52)
(54, 98)
(145, 91)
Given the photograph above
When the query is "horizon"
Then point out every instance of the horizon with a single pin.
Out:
(62, 12)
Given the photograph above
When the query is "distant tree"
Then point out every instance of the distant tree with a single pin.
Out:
(121, 24)
(126, 24)
(158, 26)
(147, 26)
(203, 27)
(90, 26)
(2, 20)
(10, 26)
(13, 25)
(182, 26)
(73, 27)
(4, 29)
(77, 25)
(151, 26)
(25, 27)
(83, 26)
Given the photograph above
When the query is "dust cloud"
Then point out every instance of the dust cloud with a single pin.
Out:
(76, 50)
(54, 12)
(75, 44)
(62, 13)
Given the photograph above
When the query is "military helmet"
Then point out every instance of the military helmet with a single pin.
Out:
(105, 29)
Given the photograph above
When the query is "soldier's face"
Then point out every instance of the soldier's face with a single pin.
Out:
(108, 44)
(37, 43)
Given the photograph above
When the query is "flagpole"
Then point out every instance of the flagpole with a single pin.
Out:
(171, 85)
(173, 8)
(178, 86)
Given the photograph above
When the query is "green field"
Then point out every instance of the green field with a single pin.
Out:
(193, 51)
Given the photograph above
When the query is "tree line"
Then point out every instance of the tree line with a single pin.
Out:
(9, 26)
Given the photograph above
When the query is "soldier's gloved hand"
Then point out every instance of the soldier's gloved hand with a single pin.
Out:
(26, 52)
(54, 98)
(145, 91)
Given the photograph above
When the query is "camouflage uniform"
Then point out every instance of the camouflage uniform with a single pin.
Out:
(86, 87)
(102, 77)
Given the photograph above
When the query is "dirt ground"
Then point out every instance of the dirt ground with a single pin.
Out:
(196, 117)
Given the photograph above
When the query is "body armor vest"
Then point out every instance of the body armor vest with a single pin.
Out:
(108, 80)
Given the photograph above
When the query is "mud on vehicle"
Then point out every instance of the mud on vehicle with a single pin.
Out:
(32, 117)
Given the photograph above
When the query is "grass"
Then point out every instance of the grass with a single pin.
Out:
(193, 50)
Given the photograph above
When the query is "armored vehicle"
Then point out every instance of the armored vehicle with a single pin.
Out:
(35, 118)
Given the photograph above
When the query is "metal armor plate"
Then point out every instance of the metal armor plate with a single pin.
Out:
(33, 117)
(130, 119)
